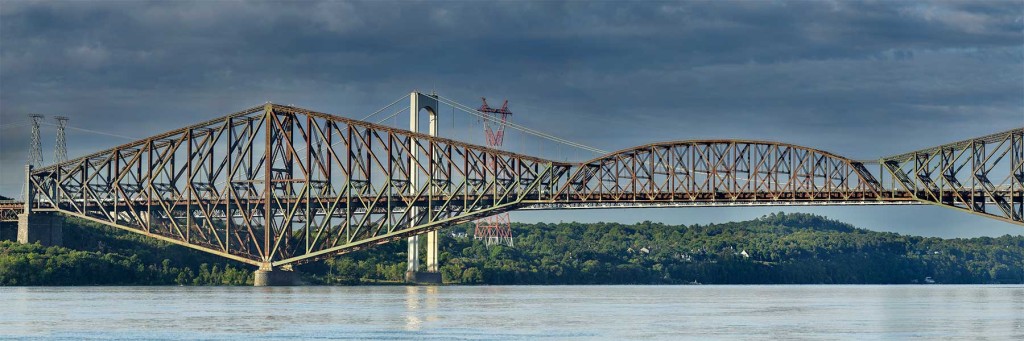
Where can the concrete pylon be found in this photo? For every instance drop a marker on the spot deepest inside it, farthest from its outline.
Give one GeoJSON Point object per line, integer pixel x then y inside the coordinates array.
{"type": "Point", "coordinates": [417, 102]}
{"type": "Point", "coordinates": [46, 228]}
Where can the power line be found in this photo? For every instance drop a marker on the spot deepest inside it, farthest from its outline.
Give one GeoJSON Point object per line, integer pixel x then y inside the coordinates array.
{"type": "Point", "coordinates": [521, 128]}
{"type": "Point", "coordinates": [103, 133]}
{"type": "Point", "coordinates": [450, 102]}
{"type": "Point", "coordinates": [12, 125]}
{"type": "Point", "coordinates": [524, 128]}
{"type": "Point", "coordinates": [93, 131]}
{"type": "Point", "coordinates": [456, 105]}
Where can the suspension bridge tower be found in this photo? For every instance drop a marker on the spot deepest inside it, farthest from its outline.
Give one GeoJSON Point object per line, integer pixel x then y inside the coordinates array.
{"type": "Point", "coordinates": [414, 273]}
{"type": "Point", "coordinates": [495, 229]}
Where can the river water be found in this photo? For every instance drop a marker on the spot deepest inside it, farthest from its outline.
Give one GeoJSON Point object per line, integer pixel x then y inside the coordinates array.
{"type": "Point", "coordinates": [514, 312]}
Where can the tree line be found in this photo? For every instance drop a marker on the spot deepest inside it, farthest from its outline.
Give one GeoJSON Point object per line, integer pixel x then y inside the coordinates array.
{"type": "Point", "coordinates": [774, 249]}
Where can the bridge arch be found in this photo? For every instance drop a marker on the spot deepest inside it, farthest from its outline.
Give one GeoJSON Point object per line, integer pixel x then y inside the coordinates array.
{"type": "Point", "coordinates": [278, 185]}
{"type": "Point", "coordinates": [720, 171]}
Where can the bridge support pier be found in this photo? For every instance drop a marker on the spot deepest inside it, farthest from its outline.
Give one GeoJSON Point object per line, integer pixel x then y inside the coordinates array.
{"type": "Point", "coordinates": [46, 228]}
{"type": "Point", "coordinates": [276, 277]}
{"type": "Point", "coordinates": [423, 277]}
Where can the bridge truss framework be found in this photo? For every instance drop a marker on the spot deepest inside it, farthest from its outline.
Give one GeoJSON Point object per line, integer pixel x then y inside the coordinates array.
{"type": "Point", "coordinates": [277, 185]}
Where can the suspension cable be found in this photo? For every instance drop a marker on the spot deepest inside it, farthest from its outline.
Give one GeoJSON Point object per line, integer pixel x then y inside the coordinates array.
{"type": "Point", "coordinates": [450, 102]}
{"type": "Point", "coordinates": [385, 108]}
{"type": "Point", "coordinates": [521, 128]}
{"type": "Point", "coordinates": [392, 115]}
{"type": "Point", "coordinates": [14, 125]}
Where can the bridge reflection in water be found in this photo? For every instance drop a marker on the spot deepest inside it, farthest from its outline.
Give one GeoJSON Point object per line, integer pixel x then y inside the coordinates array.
{"type": "Point", "coordinates": [277, 185]}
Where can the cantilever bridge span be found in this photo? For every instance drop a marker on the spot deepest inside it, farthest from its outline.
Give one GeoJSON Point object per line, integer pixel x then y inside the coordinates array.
{"type": "Point", "coordinates": [278, 185]}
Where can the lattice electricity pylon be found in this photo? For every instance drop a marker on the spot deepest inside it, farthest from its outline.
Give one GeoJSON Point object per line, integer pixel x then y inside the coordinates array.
{"type": "Point", "coordinates": [278, 185]}
{"type": "Point", "coordinates": [60, 149]}
{"type": "Point", "coordinates": [35, 153]}
{"type": "Point", "coordinates": [982, 175]}
{"type": "Point", "coordinates": [495, 229]}
{"type": "Point", "coordinates": [495, 136]}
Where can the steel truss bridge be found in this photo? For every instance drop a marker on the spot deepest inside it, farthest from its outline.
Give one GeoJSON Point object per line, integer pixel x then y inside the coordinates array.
{"type": "Point", "coordinates": [278, 185]}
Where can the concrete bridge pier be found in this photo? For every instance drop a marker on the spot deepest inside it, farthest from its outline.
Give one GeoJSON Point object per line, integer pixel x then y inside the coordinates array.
{"type": "Point", "coordinates": [282, 276]}
{"type": "Point", "coordinates": [423, 277]}
{"type": "Point", "coordinates": [46, 228]}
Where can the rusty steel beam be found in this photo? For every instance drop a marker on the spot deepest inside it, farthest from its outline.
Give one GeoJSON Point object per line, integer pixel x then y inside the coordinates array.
{"type": "Point", "coordinates": [277, 185]}
{"type": "Point", "coordinates": [732, 171]}
{"type": "Point", "coordinates": [286, 185]}
{"type": "Point", "coordinates": [9, 210]}
{"type": "Point", "coordinates": [984, 175]}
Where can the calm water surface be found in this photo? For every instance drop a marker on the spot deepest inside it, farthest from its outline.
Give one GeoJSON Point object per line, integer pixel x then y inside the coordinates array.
{"type": "Point", "coordinates": [514, 312]}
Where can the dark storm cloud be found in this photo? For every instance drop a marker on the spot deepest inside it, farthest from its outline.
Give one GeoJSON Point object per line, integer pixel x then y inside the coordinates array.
{"type": "Point", "coordinates": [174, 44]}
{"type": "Point", "coordinates": [863, 79]}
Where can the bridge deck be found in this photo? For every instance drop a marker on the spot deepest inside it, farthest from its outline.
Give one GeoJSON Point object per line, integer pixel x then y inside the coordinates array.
{"type": "Point", "coordinates": [275, 185]}
{"type": "Point", "coordinates": [9, 210]}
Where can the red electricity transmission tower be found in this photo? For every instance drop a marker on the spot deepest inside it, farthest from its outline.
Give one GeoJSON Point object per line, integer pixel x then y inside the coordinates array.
{"type": "Point", "coordinates": [496, 229]}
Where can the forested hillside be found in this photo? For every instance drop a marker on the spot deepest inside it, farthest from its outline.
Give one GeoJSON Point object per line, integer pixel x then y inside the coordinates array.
{"type": "Point", "coordinates": [778, 248]}
{"type": "Point", "coordinates": [99, 255]}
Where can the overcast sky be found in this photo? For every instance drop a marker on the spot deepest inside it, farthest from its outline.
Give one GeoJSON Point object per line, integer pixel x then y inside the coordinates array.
{"type": "Point", "coordinates": [860, 79]}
